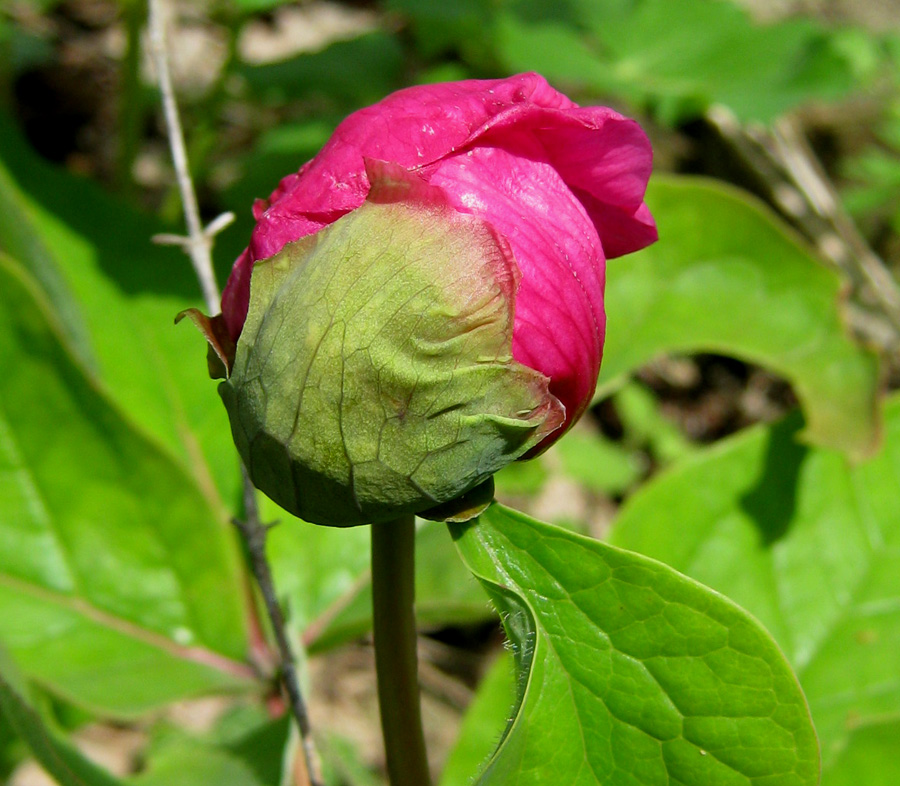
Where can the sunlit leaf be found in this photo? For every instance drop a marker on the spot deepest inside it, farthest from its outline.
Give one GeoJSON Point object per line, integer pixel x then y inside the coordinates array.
{"type": "Point", "coordinates": [56, 755]}
{"type": "Point", "coordinates": [727, 277]}
{"type": "Point", "coordinates": [635, 674]}
{"type": "Point", "coordinates": [482, 724]}
{"type": "Point", "coordinates": [808, 543]}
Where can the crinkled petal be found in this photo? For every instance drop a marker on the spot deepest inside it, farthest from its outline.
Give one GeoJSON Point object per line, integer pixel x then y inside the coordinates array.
{"type": "Point", "coordinates": [560, 322]}
{"type": "Point", "coordinates": [412, 127]}
{"type": "Point", "coordinates": [622, 229]}
{"type": "Point", "coordinates": [604, 159]}
{"type": "Point", "coordinates": [607, 160]}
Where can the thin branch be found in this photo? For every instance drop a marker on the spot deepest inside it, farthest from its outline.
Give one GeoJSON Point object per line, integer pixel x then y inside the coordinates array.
{"type": "Point", "coordinates": [255, 534]}
{"type": "Point", "coordinates": [198, 246]}
{"type": "Point", "coordinates": [809, 175]}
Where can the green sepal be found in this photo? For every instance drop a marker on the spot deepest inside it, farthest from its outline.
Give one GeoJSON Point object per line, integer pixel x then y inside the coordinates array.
{"type": "Point", "coordinates": [374, 375]}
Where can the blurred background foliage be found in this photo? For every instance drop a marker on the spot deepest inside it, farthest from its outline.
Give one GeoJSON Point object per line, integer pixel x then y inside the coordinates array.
{"type": "Point", "coordinates": [776, 127]}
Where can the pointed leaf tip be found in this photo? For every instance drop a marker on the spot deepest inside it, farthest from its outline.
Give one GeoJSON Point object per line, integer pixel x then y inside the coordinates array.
{"type": "Point", "coordinates": [220, 357]}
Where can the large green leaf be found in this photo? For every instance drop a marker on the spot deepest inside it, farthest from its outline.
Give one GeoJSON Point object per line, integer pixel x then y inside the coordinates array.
{"type": "Point", "coordinates": [115, 295]}
{"type": "Point", "coordinates": [57, 756]}
{"type": "Point", "coordinates": [629, 672]}
{"type": "Point", "coordinates": [807, 542]}
{"type": "Point", "coordinates": [195, 764]}
{"type": "Point", "coordinates": [118, 587]}
{"type": "Point", "coordinates": [727, 277]}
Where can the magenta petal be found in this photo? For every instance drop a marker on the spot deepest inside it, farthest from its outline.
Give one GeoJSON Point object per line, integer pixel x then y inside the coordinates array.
{"type": "Point", "coordinates": [593, 148]}
{"type": "Point", "coordinates": [607, 161]}
{"type": "Point", "coordinates": [623, 230]}
{"type": "Point", "coordinates": [236, 297]}
{"type": "Point", "coordinates": [413, 128]}
{"type": "Point", "coordinates": [559, 323]}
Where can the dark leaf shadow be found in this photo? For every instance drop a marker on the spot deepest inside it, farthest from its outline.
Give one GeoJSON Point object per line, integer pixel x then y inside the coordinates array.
{"type": "Point", "coordinates": [772, 502]}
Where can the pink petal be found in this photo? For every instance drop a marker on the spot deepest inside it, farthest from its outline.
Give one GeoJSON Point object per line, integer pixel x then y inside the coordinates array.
{"type": "Point", "coordinates": [559, 323]}
{"type": "Point", "coordinates": [591, 152]}
{"type": "Point", "coordinates": [412, 127]}
{"type": "Point", "coordinates": [236, 297]}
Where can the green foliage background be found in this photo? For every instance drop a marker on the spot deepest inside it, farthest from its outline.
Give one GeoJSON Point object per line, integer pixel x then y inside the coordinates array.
{"type": "Point", "coordinates": [123, 587]}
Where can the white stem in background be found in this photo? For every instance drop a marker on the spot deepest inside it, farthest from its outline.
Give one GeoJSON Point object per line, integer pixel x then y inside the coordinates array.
{"type": "Point", "coordinates": [198, 244]}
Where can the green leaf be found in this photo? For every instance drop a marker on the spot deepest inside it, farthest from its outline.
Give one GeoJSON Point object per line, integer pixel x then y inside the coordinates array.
{"type": "Point", "coordinates": [191, 762]}
{"type": "Point", "coordinates": [441, 27]}
{"type": "Point", "coordinates": [119, 589]}
{"type": "Point", "coordinates": [679, 57]}
{"type": "Point", "coordinates": [115, 295]}
{"type": "Point", "coordinates": [480, 730]}
{"type": "Point", "coordinates": [597, 463]}
{"type": "Point", "coordinates": [343, 762]}
{"type": "Point", "coordinates": [332, 74]}
{"type": "Point", "coordinates": [19, 240]}
{"type": "Point", "coordinates": [245, 748]}
{"type": "Point", "coordinates": [807, 542]}
{"type": "Point", "coordinates": [870, 758]}
{"type": "Point", "coordinates": [635, 674]}
{"type": "Point", "coordinates": [58, 757]}
{"type": "Point", "coordinates": [256, 6]}
{"type": "Point", "coordinates": [522, 477]}
{"type": "Point", "coordinates": [644, 423]}
{"type": "Point", "coordinates": [728, 277]}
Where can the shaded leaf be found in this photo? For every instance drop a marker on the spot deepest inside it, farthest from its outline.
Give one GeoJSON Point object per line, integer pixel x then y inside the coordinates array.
{"type": "Point", "coordinates": [332, 74]}
{"type": "Point", "coordinates": [115, 295]}
{"type": "Point", "coordinates": [190, 762]}
{"type": "Point", "coordinates": [635, 674]}
{"type": "Point", "coordinates": [651, 52]}
{"type": "Point", "coordinates": [446, 594]}
{"type": "Point", "coordinates": [481, 727]}
{"type": "Point", "coordinates": [118, 588]}
{"type": "Point", "coordinates": [57, 756]}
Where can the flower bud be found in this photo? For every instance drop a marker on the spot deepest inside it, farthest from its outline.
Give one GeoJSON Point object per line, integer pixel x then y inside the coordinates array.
{"type": "Point", "coordinates": [422, 303]}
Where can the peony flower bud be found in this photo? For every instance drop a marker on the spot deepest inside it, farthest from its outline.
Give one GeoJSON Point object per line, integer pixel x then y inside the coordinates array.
{"type": "Point", "coordinates": [423, 301]}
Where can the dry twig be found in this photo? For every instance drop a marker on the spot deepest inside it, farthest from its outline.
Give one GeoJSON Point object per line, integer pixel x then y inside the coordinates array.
{"type": "Point", "coordinates": [787, 169]}
{"type": "Point", "coordinates": [198, 246]}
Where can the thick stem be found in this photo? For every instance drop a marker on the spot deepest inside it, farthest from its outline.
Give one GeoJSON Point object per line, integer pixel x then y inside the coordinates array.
{"type": "Point", "coordinates": [396, 665]}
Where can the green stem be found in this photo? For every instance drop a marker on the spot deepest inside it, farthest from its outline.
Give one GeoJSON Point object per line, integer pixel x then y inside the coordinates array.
{"type": "Point", "coordinates": [396, 665]}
